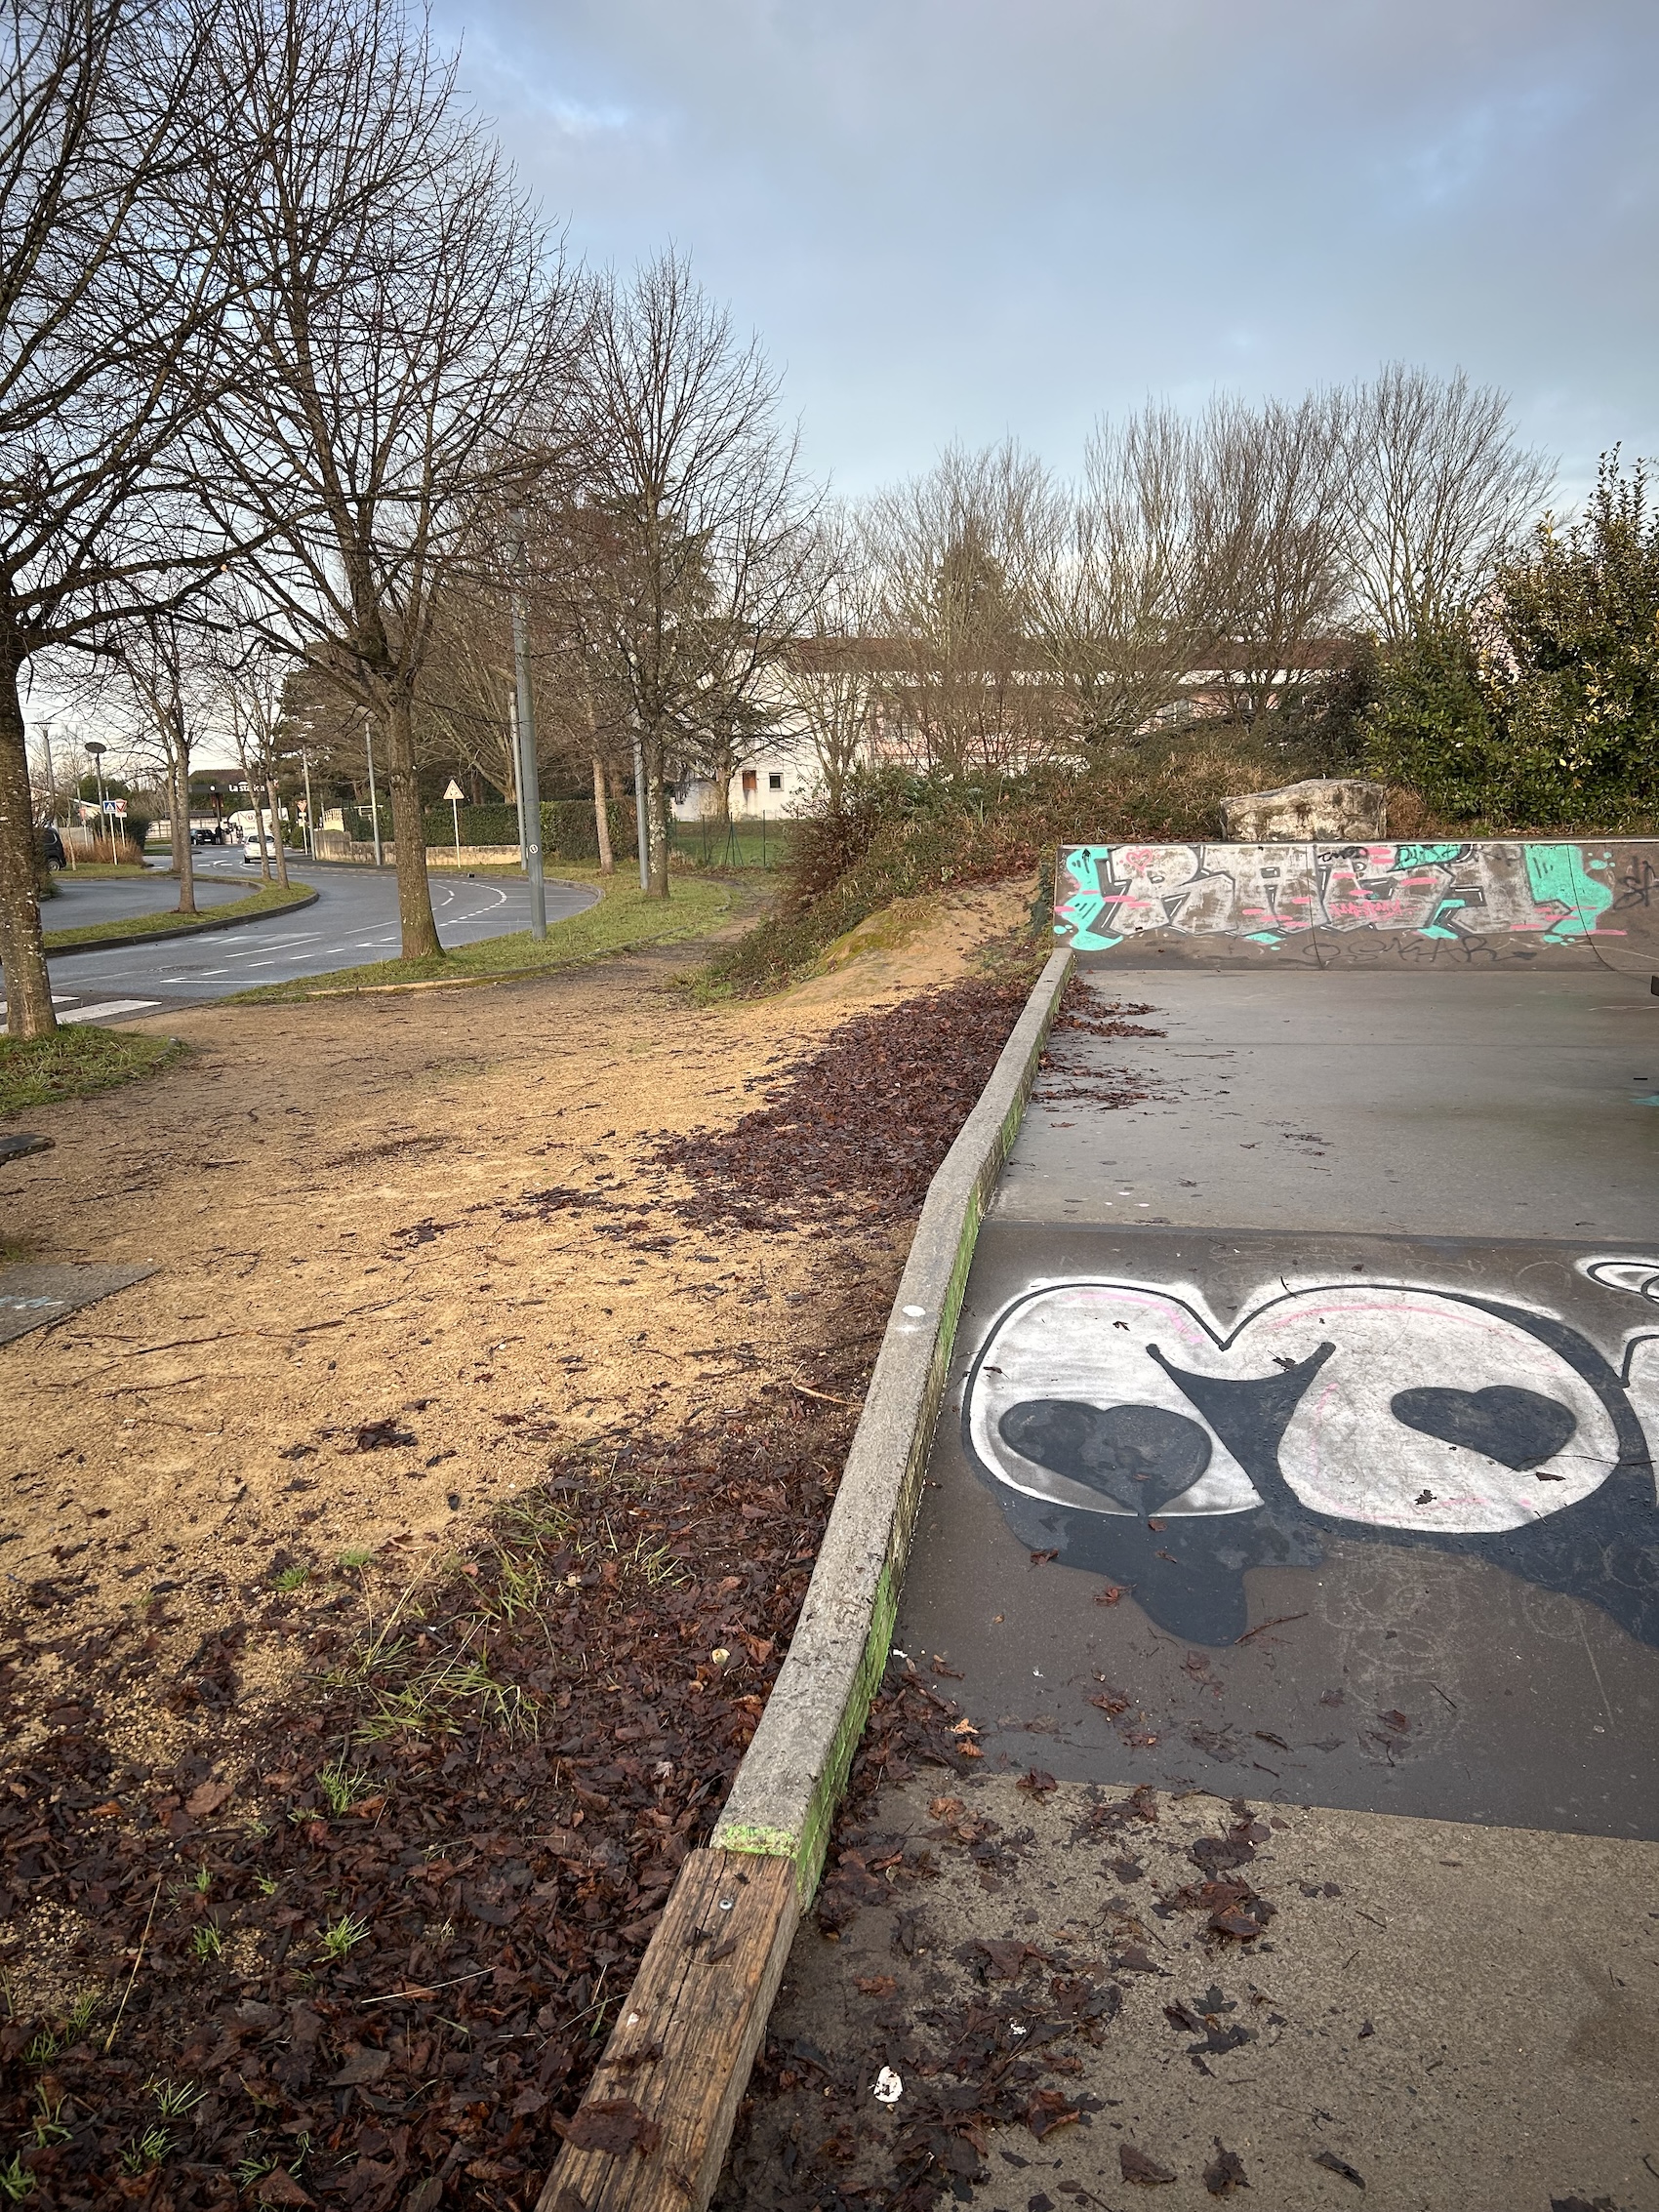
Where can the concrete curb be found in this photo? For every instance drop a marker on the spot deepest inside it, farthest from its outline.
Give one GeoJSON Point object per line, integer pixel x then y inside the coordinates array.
{"type": "Point", "coordinates": [786, 1790]}
{"type": "Point", "coordinates": [185, 929]}
{"type": "Point", "coordinates": [688, 2039]}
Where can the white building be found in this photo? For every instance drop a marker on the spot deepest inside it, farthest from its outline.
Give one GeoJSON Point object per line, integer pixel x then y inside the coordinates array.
{"type": "Point", "coordinates": [775, 780]}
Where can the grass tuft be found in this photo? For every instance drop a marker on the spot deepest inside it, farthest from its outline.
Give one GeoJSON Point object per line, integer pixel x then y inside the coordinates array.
{"type": "Point", "coordinates": [75, 1062]}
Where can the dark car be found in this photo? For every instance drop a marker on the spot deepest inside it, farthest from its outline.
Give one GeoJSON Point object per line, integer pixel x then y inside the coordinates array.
{"type": "Point", "coordinates": [207, 836]}
{"type": "Point", "coordinates": [52, 847]}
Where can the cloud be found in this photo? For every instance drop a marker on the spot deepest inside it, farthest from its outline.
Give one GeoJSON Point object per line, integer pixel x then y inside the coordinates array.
{"type": "Point", "coordinates": [957, 218]}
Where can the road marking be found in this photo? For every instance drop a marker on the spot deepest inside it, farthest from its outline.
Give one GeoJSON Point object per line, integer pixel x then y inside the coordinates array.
{"type": "Point", "coordinates": [110, 1006]}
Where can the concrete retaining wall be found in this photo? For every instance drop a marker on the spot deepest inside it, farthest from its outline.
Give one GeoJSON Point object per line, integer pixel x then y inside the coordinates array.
{"type": "Point", "coordinates": [786, 1790]}
{"type": "Point", "coordinates": [1484, 903]}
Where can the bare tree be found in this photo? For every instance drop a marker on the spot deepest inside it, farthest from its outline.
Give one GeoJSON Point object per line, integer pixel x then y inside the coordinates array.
{"type": "Point", "coordinates": [699, 564]}
{"type": "Point", "coordinates": [832, 676]}
{"type": "Point", "coordinates": [108, 301]}
{"type": "Point", "coordinates": [1272, 547]}
{"type": "Point", "coordinates": [1438, 491]}
{"type": "Point", "coordinates": [961, 553]}
{"type": "Point", "coordinates": [164, 663]}
{"type": "Point", "coordinates": [1116, 606]}
{"type": "Point", "coordinates": [397, 305]}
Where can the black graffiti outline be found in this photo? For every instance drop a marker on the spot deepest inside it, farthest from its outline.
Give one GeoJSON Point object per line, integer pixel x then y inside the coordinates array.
{"type": "Point", "coordinates": [1188, 1573]}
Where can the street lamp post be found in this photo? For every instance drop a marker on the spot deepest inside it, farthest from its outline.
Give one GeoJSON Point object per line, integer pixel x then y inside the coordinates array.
{"type": "Point", "coordinates": [310, 819]}
{"type": "Point", "coordinates": [98, 751]}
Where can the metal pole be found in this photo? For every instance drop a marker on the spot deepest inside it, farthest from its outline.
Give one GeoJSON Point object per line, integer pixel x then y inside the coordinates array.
{"type": "Point", "coordinates": [373, 802]}
{"type": "Point", "coordinates": [517, 777]}
{"type": "Point", "coordinates": [640, 835]}
{"type": "Point", "coordinates": [529, 777]}
{"type": "Point", "coordinates": [455, 810]}
{"type": "Point", "coordinates": [311, 818]}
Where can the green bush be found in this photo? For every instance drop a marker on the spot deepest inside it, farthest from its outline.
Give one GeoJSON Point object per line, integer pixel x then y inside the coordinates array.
{"type": "Point", "coordinates": [568, 829]}
{"type": "Point", "coordinates": [900, 835]}
{"type": "Point", "coordinates": [1541, 709]}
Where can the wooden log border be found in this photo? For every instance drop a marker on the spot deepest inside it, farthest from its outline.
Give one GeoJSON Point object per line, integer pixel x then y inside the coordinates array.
{"type": "Point", "coordinates": [651, 2133]}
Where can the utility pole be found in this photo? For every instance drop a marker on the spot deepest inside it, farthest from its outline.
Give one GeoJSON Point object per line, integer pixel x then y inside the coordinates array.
{"type": "Point", "coordinates": [310, 819]}
{"type": "Point", "coordinates": [98, 751]}
{"type": "Point", "coordinates": [529, 779]}
{"type": "Point", "coordinates": [373, 802]}
{"type": "Point", "coordinates": [517, 777]}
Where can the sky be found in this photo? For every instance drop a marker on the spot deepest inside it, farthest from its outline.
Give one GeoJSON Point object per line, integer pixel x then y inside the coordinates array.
{"type": "Point", "coordinates": [964, 219]}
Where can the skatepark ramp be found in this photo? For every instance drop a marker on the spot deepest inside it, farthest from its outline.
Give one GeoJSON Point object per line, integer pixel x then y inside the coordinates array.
{"type": "Point", "coordinates": [1481, 904]}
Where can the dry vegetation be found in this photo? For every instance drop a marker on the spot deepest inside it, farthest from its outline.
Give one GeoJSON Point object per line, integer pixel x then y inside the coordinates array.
{"type": "Point", "coordinates": [392, 1579]}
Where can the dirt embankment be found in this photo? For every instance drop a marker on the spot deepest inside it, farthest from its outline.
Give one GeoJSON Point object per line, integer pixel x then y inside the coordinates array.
{"type": "Point", "coordinates": [393, 1578]}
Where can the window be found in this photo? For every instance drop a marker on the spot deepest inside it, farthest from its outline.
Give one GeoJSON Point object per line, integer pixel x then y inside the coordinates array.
{"type": "Point", "coordinates": [774, 781]}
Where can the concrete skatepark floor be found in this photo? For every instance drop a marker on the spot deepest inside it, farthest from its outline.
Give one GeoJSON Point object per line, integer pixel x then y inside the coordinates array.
{"type": "Point", "coordinates": [1293, 1456]}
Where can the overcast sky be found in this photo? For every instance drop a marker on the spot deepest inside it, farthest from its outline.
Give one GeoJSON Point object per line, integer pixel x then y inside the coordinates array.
{"type": "Point", "coordinates": [955, 219]}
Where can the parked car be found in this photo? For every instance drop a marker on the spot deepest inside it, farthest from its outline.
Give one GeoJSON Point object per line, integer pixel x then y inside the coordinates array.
{"type": "Point", "coordinates": [207, 836]}
{"type": "Point", "coordinates": [52, 847]}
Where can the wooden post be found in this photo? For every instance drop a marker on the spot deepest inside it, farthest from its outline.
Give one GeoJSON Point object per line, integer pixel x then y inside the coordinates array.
{"type": "Point", "coordinates": [651, 2133]}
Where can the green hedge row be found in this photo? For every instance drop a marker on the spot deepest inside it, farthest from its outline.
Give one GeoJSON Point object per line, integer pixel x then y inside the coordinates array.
{"type": "Point", "coordinates": [568, 830]}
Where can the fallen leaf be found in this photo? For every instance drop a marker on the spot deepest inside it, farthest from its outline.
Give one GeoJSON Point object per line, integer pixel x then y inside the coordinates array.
{"type": "Point", "coordinates": [1049, 2109]}
{"type": "Point", "coordinates": [1109, 1595]}
{"type": "Point", "coordinates": [280, 2188]}
{"type": "Point", "coordinates": [610, 2123]}
{"type": "Point", "coordinates": [1136, 2166]}
{"type": "Point", "coordinates": [208, 1800]}
{"type": "Point", "coordinates": [362, 2065]}
{"type": "Point", "coordinates": [1036, 1782]}
{"type": "Point", "coordinates": [1335, 2165]}
{"type": "Point", "coordinates": [1224, 2172]}
{"type": "Point", "coordinates": [874, 1984]}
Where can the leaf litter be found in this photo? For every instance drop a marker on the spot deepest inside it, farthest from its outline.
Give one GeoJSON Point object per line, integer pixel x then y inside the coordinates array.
{"type": "Point", "coordinates": [382, 1932]}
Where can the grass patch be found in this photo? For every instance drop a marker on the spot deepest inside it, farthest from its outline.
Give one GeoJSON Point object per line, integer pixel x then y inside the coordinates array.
{"type": "Point", "coordinates": [36, 1071]}
{"type": "Point", "coordinates": [268, 899]}
{"type": "Point", "coordinates": [622, 918]}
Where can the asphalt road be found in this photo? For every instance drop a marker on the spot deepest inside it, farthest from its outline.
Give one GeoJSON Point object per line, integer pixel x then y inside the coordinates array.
{"type": "Point", "coordinates": [1345, 1323]}
{"type": "Point", "coordinates": [84, 900]}
{"type": "Point", "coordinates": [353, 922]}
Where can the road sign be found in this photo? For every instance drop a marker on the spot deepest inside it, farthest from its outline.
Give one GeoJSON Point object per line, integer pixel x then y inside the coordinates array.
{"type": "Point", "coordinates": [454, 791]}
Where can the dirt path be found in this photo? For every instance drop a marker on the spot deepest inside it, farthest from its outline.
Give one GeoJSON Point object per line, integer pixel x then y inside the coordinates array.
{"type": "Point", "coordinates": [392, 1580]}
{"type": "Point", "coordinates": [358, 1331]}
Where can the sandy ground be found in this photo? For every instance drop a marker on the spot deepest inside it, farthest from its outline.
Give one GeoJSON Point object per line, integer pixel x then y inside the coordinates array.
{"type": "Point", "coordinates": [332, 1195]}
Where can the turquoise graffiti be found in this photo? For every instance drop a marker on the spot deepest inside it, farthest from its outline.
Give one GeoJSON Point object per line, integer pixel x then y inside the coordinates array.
{"type": "Point", "coordinates": [1487, 893]}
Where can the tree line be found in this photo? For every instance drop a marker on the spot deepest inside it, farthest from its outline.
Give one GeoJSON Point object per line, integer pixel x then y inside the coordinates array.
{"type": "Point", "coordinates": [296, 378]}
{"type": "Point", "coordinates": [302, 401]}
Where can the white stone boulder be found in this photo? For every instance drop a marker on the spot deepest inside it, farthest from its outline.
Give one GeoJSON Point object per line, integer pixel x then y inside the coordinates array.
{"type": "Point", "coordinates": [1321, 810]}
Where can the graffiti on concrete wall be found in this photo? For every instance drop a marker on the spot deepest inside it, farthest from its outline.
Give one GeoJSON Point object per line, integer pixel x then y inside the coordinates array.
{"type": "Point", "coordinates": [1122, 1423]}
{"type": "Point", "coordinates": [1521, 895]}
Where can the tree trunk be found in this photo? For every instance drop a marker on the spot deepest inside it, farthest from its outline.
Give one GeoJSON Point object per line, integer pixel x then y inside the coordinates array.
{"type": "Point", "coordinates": [602, 818]}
{"type": "Point", "coordinates": [22, 954]}
{"type": "Point", "coordinates": [723, 761]}
{"type": "Point", "coordinates": [259, 818]}
{"type": "Point", "coordinates": [409, 836]}
{"type": "Point", "coordinates": [276, 833]}
{"type": "Point", "coordinates": [183, 851]}
{"type": "Point", "coordinates": [179, 835]}
{"type": "Point", "coordinates": [656, 819]}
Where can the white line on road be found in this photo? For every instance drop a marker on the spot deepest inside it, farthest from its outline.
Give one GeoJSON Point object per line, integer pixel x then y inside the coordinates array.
{"type": "Point", "coordinates": [112, 1006]}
